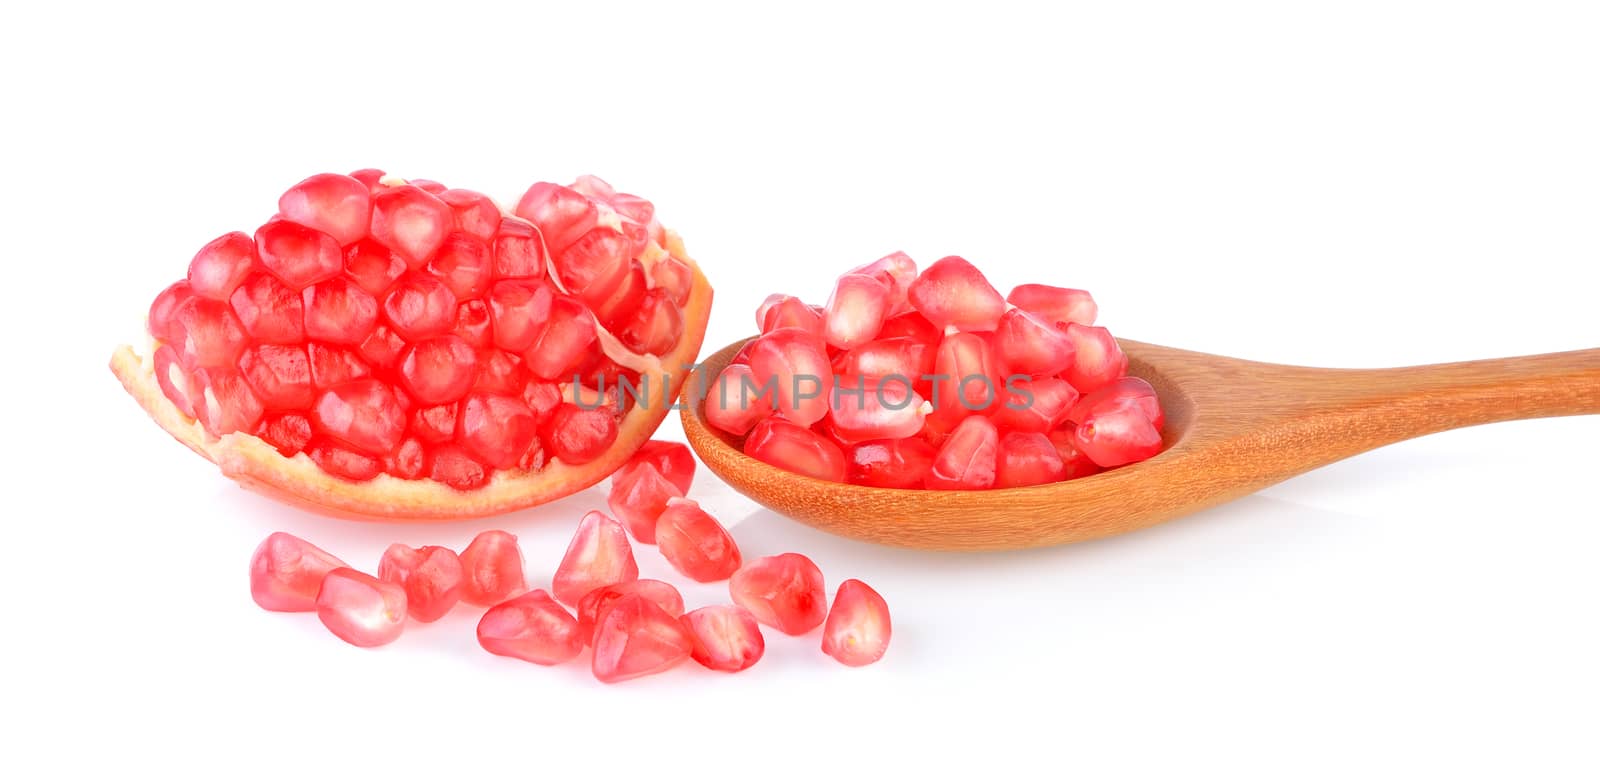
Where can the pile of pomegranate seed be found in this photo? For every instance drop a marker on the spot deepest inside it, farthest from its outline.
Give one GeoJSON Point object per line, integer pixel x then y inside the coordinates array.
{"type": "Point", "coordinates": [414, 330]}
{"type": "Point", "coordinates": [935, 381]}
{"type": "Point", "coordinates": [597, 601]}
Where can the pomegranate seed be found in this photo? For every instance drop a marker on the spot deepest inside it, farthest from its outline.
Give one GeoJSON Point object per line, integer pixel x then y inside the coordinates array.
{"type": "Point", "coordinates": [857, 631]}
{"type": "Point", "coordinates": [207, 334]}
{"type": "Point", "coordinates": [593, 187]}
{"type": "Point", "coordinates": [279, 376]}
{"type": "Point", "coordinates": [561, 214]}
{"type": "Point", "coordinates": [497, 429]}
{"type": "Point", "coordinates": [475, 324]}
{"type": "Point", "coordinates": [370, 177]}
{"type": "Point", "coordinates": [1035, 405]}
{"type": "Point", "coordinates": [438, 370]}
{"type": "Point", "coordinates": [1099, 360]}
{"type": "Point", "coordinates": [419, 306]}
{"type": "Point", "coordinates": [1027, 344]}
{"type": "Point", "coordinates": [268, 311]}
{"type": "Point", "coordinates": [531, 627]}
{"type": "Point", "coordinates": [1122, 393]}
{"type": "Point", "coordinates": [896, 271]}
{"type": "Point", "coordinates": [656, 327]}
{"type": "Point", "coordinates": [363, 413]}
{"type": "Point", "coordinates": [784, 592]}
{"type": "Point", "coordinates": [638, 496]}
{"type": "Point", "coordinates": [594, 604]}
{"type": "Point", "coordinates": [669, 458]}
{"type": "Point", "coordinates": [360, 609]}
{"type": "Point", "coordinates": [501, 373]}
{"type": "Point", "coordinates": [594, 266]}
{"type": "Point", "coordinates": [633, 208]}
{"type": "Point", "coordinates": [519, 309]}
{"type": "Point", "coordinates": [222, 265]}
{"type": "Point", "coordinates": [612, 310]}
{"type": "Point", "coordinates": [1027, 459]}
{"type": "Point", "coordinates": [967, 458]}
{"type": "Point", "coordinates": [791, 312]}
{"type": "Point", "coordinates": [856, 310]}
{"type": "Point", "coordinates": [726, 638]}
{"type": "Point", "coordinates": [177, 383]}
{"type": "Point", "coordinates": [674, 278]}
{"type": "Point", "coordinates": [542, 398]}
{"type": "Point", "coordinates": [408, 460]}
{"type": "Point", "coordinates": [382, 347]}
{"type": "Point", "coordinates": [285, 573]}
{"type": "Point", "coordinates": [411, 222]}
{"type": "Point", "coordinates": [430, 575]}
{"type": "Point", "coordinates": [343, 462]}
{"type": "Point", "coordinates": [223, 401]}
{"type": "Point", "coordinates": [577, 435]}
{"type": "Point", "coordinates": [298, 255]}
{"type": "Point", "coordinates": [903, 356]}
{"type": "Point", "coordinates": [1057, 305]}
{"type": "Point", "coordinates": [454, 468]}
{"type": "Point", "coordinates": [476, 214]}
{"type": "Point", "coordinates": [912, 326]}
{"type": "Point", "coordinates": [1074, 463]}
{"type": "Point", "coordinates": [431, 186]}
{"type": "Point", "coordinates": [338, 311]}
{"type": "Point", "coordinates": [900, 464]}
{"type": "Point", "coordinates": [333, 366]}
{"type": "Point", "coordinates": [869, 409]}
{"type": "Point", "coordinates": [372, 266]}
{"type": "Point", "coordinates": [518, 250]}
{"type": "Point", "coordinates": [636, 638]}
{"type": "Point", "coordinates": [735, 403]}
{"type": "Point", "coordinates": [695, 543]}
{"type": "Point", "coordinates": [464, 264]}
{"type": "Point", "coordinates": [288, 433]}
{"type": "Point", "coordinates": [797, 367]}
{"type": "Point", "coordinates": [967, 379]}
{"type": "Point", "coordinates": [492, 569]}
{"type": "Point", "coordinates": [784, 444]}
{"type": "Point", "coordinates": [163, 311]}
{"type": "Point", "coordinates": [599, 555]}
{"type": "Point", "coordinates": [1117, 435]}
{"type": "Point", "coordinates": [952, 292]}
{"type": "Point", "coordinates": [337, 205]}
{"type": "Point", "coordinates": [434, 424]}
{"type": "Point", "coordinates": [563, 342]}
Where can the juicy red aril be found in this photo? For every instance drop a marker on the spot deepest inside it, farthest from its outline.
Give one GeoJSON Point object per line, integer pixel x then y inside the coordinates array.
{"type": "Point", "coordinates": [408, 460]}
{"type": "Point", "coordinates": [1098, 361]}
{"type": "Point", "coordinates": [411, 222]}
{"type": "Point", "coordinates": [476, 214]}
{"type": "Point", "coordinates": [285, 573]}
{"type": "Point", "coordinates": [673, 277]}
{"type": "Point", "coordinates": [1075, 464]}
{"type": "Point", "coordinates": [456, 469]}
{"type": "Point", "coordinates": [382, 347]}
{"type": "Point", "coordinates": [474, 324]}
{"type": "Point", "coordinates": [372, 266]}
{"type": "Point", "coordinates": [561, 213]}
{"type": "Point", "coordinates": [224, 402]}
{"type": "Point", "coordinates": [576, 435]}
{"type": "Point", "coordinates": [670, 458]}
{"type": "Point", "coordinates": [896, 271]}
{"type": "Point", "coordinates": [497, 429]}
{"type": "Point", "coordinates": [1058, 305]}
{"type": "Point", "coordinates": [636, 638]}
{"type": "Point", "coordinates": [857, 630]}
{"type": "Point", "coordinates": [902, 356]}
{"type": "Point", "coordinates": [866, 409]}
{"type": "Point", "coordinates": [952, 292]}
{"type": "Point", "coordinates": [343, 462]}
{"type": "Point", "coordinates": [364, 414]}
{"type": "Point", "coordinates": [1027, 344]}
{"type": "Point", "coordinates": [531, 627]}
{"type": "Point", "coordinates": [594, 604]}
{"type": "Point", "coordinates": [966, 460]}
{"type": "Point", "coordinates": [163, 310]}
{"type": "Point", "coordinates": [419, 306]}
{"type": "Point", "coordinates": [288, 433]}
{"type": "Point", "coordinates": [599, 555]}
{"type": "Point", "coordinates": [612, 308]}
{"type": "Point", "coordinates": [1117, 435]}
{"type": "Point", "coordinates": [464, 265]}
{"type": "Point", "coordinates": [1122, 393]}
{"type": "Point", "coordinates": [785, 592]}
{"type": "Point", "coordinates": [206, 333]}
{"type": "Point", "coordinates": [856, 310]}
{"type": "Point", "coordinates": [968, 380]}
{"type": "Point", "coordinates": [332, 366]}
{"type": "Point", "coordinates": [1027, 459]}
{"type": "Point", "coordinates": [491, 569]}
{"type": "Point", "coordinates": [337, 205]}
{"type": "Point", "coordinates": [1035, 405]}
{"type": "Point", "coordinates": [370, 177]}
{"type": "Point", "coordinates": [638, 496]}
{"type": "Point", "coordinates": [360, 609]}
{"type": "Point", "coordinates": [656, 325]}
{"type": "Point", "coordinates": [438, 370]}
{"type": "Point", "coordinates": [519, 250]}
{"type": "Point", "coordinates": [900, 464]}
{"type": "Point", "coordinates": [431, 186]}
{"type": "Point", "coordinates": [912, 325]}
{"type": "Point", "coordinates": [430, 575]}
{"type": "Point", "coordinates": [519, 310]}
{"type": "Point", "coordinates": [502, 373]}
{"type": "Point", "coordinates": [222, 265]}
{"type": "Point", "coordinates": [434, 424]}
{"type": "Point", "coordinates": [176, 382]}
{"type": "Point", "coordinates": [279, 376]}
{"type": "Point", "coordinates": [297, 255]}
{"type": "Point", "coordinates": [735, 403]}
{"type": "Point", "coordinates": [269, 311]}
{"type": "Point", "coordinates": [726, 638]}
{"type": "Point", "coordinates": [595, 265]}
{"type": "Point", "coordinates": [784, 444]}
{"type": "Point", "coordinates": [338, 311]}
{"type": "Point", "coordinates": [789, 312]}
{"type": "Point", "coordinates": [563, 341]}
{"type": "Point", "coordinates": [797, 367]}
{"type": "Point", "coordinates": [695, 543]}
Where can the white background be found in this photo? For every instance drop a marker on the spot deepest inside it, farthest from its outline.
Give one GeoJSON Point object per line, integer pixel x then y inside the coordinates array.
{"type": "Point", "coordinates": [1341, 184]}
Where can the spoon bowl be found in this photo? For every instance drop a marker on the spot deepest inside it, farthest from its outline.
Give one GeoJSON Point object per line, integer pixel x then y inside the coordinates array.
{"type": "Point", "coordinates": [1233, 427]}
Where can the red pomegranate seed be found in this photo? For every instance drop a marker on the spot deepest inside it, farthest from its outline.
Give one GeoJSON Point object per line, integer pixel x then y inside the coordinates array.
{"type": "Point", "coordinates": [1099, 360]}
{"type": "Point", "coordinates": [912, 325]}
{"type": "Point", "coordinates": [434, 424]}
{"type": "Point", "coordinates": [279, 376]}
{"type": "Point", "coordinates": [338, 311]}
{"type": "Point", "coordinates": [531, 627]}
{"type": "Point", "coordinates": [952, 292]}
{"type": "Point", "coordinates": [967, 458]}
{"type": "Point", "coordinates": [298, 255]}
{"type": "Point", "coordinates": [360, 609]}
{"type": "Point", "coordinates": [337, 205]}
{"type": "Point", "coordinates": [790, 312]}
{"type": "Point", "coordinates": [896, 271]}
{"type": "Point", "coordinates": [438, 370]}
{"type": "Point", "coordinates": [1122, 393]}
{"type": "Point", "coordinates": [519, 250]}
{"type": "Point", "coordinates": [901, 356]}
{"type": "Point", "coordinates": [332, 366]}
{"type": "Point", "coordinates": [464, 264]}
{"type": "Point", "coordinates": [857, 631]}
{"type": "Point", "coordinates": [497, 429]}
{"type": "Point", "coordinates": [207, 334]}
{"type": "Point", "coordinates": [856, 310]}
{"type": "Point", "coordinates": [870, 409]}
{"type": "Point", "coordinates": [599, 555]}
{"type": "Point", "coordinates": [409, 460]}
{"type": "Point", "coordinates": [419, 306]}
{"type": "Point", "coordinates": [363, 413]}
{"type": "Point", "coordinates": [1035, 405]}
{"type": "Point", "coordinates": [177, 382]}
{"type": "Point", "coordinates": [797, 366]}
{"type": "Point", "coordinates": [656, 326]}
{"type": "Point", "coordinates": [501, 373]}
{"type": "Point", "coordinates": [519, 310]}
{"type": "Point", "coordinates": [431, 186]}
{"type": "Point", "coordinates": [492, 569]}
{"type": "Point", "coordinates": [163, 310]}
{"type": "Point", "coordinates": [475, 324]}
{"type": "Point", "coordinates": [1074, 462]}
{"type": "Point", "coordinates": [593, 187]}
{"type": "Point", "coordinates": [726, 637]}
{"type": "Point", "coordinates": [669, 458]}
{"type": "Point", "coordinates": [1057, 305]}
{"type": "Point", "coordinates": [634, 208]}
{"type": "Point", "coordinates": [695, 543]}
{"type": "Point", "coordinates": [288, 433]}
{"type": "Point", "coordinates": [223, 401]}
{"type": "Point", "coordinates": [411, 222]}
{"type": "Point", "coordinates": [613, 309]}
{"type": "Point", "coordinates": [222, 265]}
{"type": "Point", "coordinates": [343, 462]}
{"type": "Point", "coordinates": [542, 398]}
{"type": "Point", "coordinates": [735, 402]}
{"type": "Point", "coordinates": [563, 342]}
{"type": "Point", "coordinates": [785, 592]}
{"type": "Point", "coordinates": [784, 444]}
{"type": "Point", "coordinates": [595, 266]}
{"type": "Point", "coordinates": [456, 469]}
{"type": "Point", "coordinates": [1027, 459]}
{"type": "Point", "coordinates": [576, 435]}
{"type": "Point", "coordinates": [899, 464]}
{"type": "Point", "coordinates": [369, 177]}
{"type": "Point", "coordinates": [476, 214]}
{"type": "Point", "coordinates": [674, 278]}
{"type": "Point", "coordinates": [382, 347]}
{"type": "Point", "coordinates": [285, 573]}
{"type": "Point", "coordinates": [966, 379]}
{"type": "Point", "coordinates": [636, 638]}
{"type": "Point", "coordinates": [430, 575]}
{"type": "Point", "coordinates": [561, 213]}
{"type": "Point", "coordinates": [638, 496]}
{"type": "Point", "coordinates": [1027, 344]}
{"type": "Point", "coordinates": [594, 604]}
{"type": "Point", "coordinates": [1117, 436]}
{"type": "Point", "coordinates": [268, 311]}
{"type": "Point", "coordinates": [372, 266]}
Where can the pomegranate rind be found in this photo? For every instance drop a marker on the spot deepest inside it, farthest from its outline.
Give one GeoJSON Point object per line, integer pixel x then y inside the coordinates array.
{"type": "Point", "coordinates": [296, 480]}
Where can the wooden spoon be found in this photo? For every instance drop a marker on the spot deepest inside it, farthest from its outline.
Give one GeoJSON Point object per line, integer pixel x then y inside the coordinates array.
{"type": "Point", "coordinates": [1233, 427]}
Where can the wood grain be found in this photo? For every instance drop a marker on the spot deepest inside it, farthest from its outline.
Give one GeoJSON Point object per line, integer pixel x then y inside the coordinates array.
{"type": "Point", "coordinates": [1233, 427]}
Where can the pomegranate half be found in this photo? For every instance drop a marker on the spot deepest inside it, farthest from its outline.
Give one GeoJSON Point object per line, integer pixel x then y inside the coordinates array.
{"type": "Point", "coordinates": [402, 350]}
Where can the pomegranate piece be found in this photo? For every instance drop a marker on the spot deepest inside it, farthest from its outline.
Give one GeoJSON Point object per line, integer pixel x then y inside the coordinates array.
{"type": "Point", "coordinates": [1057, 305]}
{"type": "Point", "coordinates": [337, 205]}
{"type": "Point", "coordinates": [784, 444]}
{"type": "Point", "coordinates": [419, 306]}
{"type": "Point", "coordinates": [857, 630]}
{"type": "Point", "coordinates": [966, 460]}
{"type": "Point", "coordinates": [224, 402]}
{"type": "Point", "coordinates": [735, 403]}
{"type": "Point", "coordinates": [338, 311]}
{"type": "Point", "coordinates": [784, 592]}
{"type": "Point", "coordinates": [285, 573]}
{"type": "Point", "coordinates": [599, 555]}
{"type": "Point", "coordinates": [594, 604]}
{"type": "Point", "coordinates": [491, 569]}
{"type": "Point", "coordinates": [562, 214]}
{"type": "Point", "coordinates": [364, 414]}
{"type": "Point", "coordinates": [268, 310]}
{"type": "Point", "coordinates": [638, 496]}
{"type": "Point", "coordinates": [476, 214]}
{"type": "Point", "coordinates": [297, 255]}
{"type": "Point", "coordinates": [869, 409]}
{"type": "Point", "coordinates": [726, 638]}
{"type": "Point", "coordinates": [694, 543]}
{"type": "Point", "coordinates": [1099, 360]}
{"type": "Point", "coordinates": [498, 429]}
{"type": "Point", "coordinates": [856, 310]}
{"type": "Point", "coordinates": [431, 576]}
{"type": "Point", "coordinates": [1027, 459]}
{"type": "Point", "coordinates": [563, 342]}
{"type": "Point", "coordinates": [1117, 436]}
{"type": "Point", "coordinates": [670, 458]}
{"type": "Point", "coordinates": [360, 609]}
{"type": "Point", "coordinates": [222, 265]}
{"type": "Point", "coordinates": [411, 222]}
{"type": "Point", "coordinates": [952, 292]}
{"type": "Point", "coordinates": [1027, 344]}
{"type": "Point", "coordinates": [1122, 393]}
{"type": "Point", "coordinates": [279, 376]}
{"type": "Point", "coordinates": [1035, 405]}
{"type": "Point", "coordinates": [636, 638]}
{"type": "Point", "coordinates": [796, 366]}
{"type": "Point", "coordinates": [531, 627]}
{"type": "Point", "coordinates": [899, 464]}
{"type": "Point", "coordinates": [464, 264]}
{"type": "Point", "coordinates": [438, 370]}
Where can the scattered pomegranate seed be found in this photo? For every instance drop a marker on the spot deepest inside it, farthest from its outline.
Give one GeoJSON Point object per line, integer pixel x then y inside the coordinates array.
{"type": "Point", "coordinates": [785, 592]}
{"type": "Point", "coordinates": [857, 631]}
{"type": "Point", "coordinates": [285, 573]}
{"type": "Point", "coordinates": [784, 444]}
{"type": "Point", "coordinates": [952, 292]}
{"type": "Point", "coordinates": [636, 638]}
{"type": "Point", "coordinates": [599, 555]}
{"type": "Point", "coordinates": [531, 627]}
{"type": "Point", "coordinates": [360, 609]}
{"type": "Point", "coordinates": [431, 576]}
{"type": "Point", "coordinates": [594, 604]}
{"type": "Point", "coordinates": [492, 569]}
{"type": "Point", "coordinates": [780, 311]}
{"type": "Point", "coordinates": [1035, 405]}
{"type": "Point", "coordinates": [896, 271]}
{"type": "Point", "coordinates": [1075, 464]}
{"type": "Point", "coordinates": [638, 496]}
{"type": "Point", "coordinates": [695, 543]}
{"type": "Point", "coordinates": [726, 638]}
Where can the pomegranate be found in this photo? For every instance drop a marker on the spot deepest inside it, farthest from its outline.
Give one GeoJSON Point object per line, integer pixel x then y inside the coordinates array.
{"type": "Point", "coordinates": [393, 350]}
